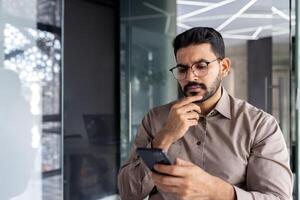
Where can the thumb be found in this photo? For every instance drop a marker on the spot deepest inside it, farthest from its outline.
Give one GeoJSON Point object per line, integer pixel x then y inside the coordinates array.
{"type": "Point", "coordinates": [180, 161]}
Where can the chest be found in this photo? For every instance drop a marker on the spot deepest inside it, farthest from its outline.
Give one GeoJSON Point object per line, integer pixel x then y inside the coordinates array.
{"type": "Point", "coordinates": [220, 147]}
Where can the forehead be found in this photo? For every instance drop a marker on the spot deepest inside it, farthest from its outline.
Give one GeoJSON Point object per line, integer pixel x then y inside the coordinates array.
{"type": "Point", "coordinates": [194, 53]}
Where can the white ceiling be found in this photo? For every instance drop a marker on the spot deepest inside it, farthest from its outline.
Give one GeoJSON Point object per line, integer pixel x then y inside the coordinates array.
{"type": "Point", "coordinates": [236, 19]}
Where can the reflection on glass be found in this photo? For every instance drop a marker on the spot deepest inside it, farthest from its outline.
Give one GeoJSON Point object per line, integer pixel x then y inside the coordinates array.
{"type": "Point", "coordinates": [30, 63]}
{"type": "Point", "coordinates": [35, 63]}
{"type": "Point", "coordinates": [144, 76]}
{"type": "Point", "coordinates": [50, 12]}
{"type": "Point", "coordinates": [38, 67]}
{"type": "Point", "coordinates": [282, 66]}
{"type": "Point", "coordinates": [91, 133]}
{"type": "Point", "coordinates": [16, 138]}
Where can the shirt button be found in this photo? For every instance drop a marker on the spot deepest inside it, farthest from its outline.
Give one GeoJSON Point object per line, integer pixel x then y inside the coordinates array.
{"type": "Point", "coordinates": [198, 143]}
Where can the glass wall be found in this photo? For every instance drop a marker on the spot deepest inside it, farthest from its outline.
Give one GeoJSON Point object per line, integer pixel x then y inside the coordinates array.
{"type": "Point", "coordinates": [91, 100]}
{"type": "Point", "coordinates": [147, 31]}
{"type": "Point", "coordinates": [30, 105]}
{"type": "Point", "coordinates": [296, 93]}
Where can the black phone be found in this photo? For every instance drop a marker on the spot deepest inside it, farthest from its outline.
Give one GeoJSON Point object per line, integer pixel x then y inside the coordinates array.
{"type": "Point", "coordinates": [153, 156]}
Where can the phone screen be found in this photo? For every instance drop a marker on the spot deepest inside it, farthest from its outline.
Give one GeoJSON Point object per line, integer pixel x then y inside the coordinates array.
{"type": "Point", "coordinates": [153, 156]}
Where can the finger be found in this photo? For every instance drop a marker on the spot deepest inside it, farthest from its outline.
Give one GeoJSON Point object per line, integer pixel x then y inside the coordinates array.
{"type": "Point", "coordinates": [186, 101]}
{"type": "Point", "coordinates": [192, 122]}
{"type": "Point", "coordinates": [172, 170]}
{"type": "Point", "coordinates": [191, 119]}
{"type": "Point", "coordinates": [191, 115]}
{"type": "Point", "coordinates": [182, 162]}
{"type": "Point", "coordinates": [166, 180]}
{"type": "Point", "coordinates": [189, 107]}
{"type": "Point", "coordinates": [169, 189]}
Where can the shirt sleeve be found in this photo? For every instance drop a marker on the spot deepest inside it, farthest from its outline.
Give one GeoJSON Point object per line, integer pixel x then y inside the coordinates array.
{"type": "Point", "coordinates": [134, 179]}
{"type": "Point", "coordinates": [268, 172]}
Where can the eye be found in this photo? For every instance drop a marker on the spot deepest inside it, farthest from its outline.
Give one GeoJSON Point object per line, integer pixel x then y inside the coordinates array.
{"type": "Point", "coordinates": [200, 66]}
{"type": "Point", "coordinates": [181, 70]}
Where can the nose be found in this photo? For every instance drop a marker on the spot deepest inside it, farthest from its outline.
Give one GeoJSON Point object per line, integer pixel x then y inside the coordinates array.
{"type": "Point", "coordinates": [191, 76]}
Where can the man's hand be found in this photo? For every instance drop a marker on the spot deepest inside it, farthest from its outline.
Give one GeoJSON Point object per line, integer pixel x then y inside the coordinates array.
{"type": "Point", "coordinates": [188, 182]}
{"type": "Point", "coordinates": [182, 115]}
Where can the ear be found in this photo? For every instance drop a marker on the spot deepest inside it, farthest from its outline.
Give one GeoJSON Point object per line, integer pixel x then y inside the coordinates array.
{"type": "Point", "coordinates": [225, 66]}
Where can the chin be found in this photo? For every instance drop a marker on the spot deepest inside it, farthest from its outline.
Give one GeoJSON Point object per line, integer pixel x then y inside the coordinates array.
{"type": "Point", "coordinates": [190, 94]}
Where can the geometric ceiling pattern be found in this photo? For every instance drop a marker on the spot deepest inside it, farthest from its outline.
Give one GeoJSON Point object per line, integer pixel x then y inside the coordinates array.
{"type": "Point", "coordinates": [235, 19]}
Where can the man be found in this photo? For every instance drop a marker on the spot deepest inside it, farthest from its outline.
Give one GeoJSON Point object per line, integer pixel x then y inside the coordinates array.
{"type": "Point", "coordinates": [224, 147]}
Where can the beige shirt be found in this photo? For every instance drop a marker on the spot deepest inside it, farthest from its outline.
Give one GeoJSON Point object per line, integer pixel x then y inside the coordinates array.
{"type": "Point", "coordinates": [236, 142]}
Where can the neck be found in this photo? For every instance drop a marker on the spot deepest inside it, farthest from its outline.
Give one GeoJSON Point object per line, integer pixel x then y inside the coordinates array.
{"type": "Point", "coordinates": [210, 103]}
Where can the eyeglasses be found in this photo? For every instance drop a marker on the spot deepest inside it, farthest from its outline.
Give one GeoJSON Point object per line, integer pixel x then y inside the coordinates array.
{"type": "Point", "coordinates": [199, 68]}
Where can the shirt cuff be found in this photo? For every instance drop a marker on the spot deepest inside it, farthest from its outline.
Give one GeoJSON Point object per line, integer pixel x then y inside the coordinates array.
{"type": "Point", "coordinates": [242, 194]}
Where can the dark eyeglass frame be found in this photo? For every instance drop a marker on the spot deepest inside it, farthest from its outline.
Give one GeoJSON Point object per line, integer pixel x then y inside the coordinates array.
{"type": "Point", "coordinates": [191, 67]}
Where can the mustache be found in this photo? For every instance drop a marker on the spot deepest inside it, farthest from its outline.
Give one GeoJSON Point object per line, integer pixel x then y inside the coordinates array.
{"type": "Point", "coordinates": [191, 83]}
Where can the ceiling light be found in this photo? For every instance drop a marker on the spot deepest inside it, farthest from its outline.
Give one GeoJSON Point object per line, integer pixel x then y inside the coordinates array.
{"type": "Point", "coordinates": [246, 30]}
{"type": "Point", "coordinates": [216, 17]}
{"type": "Point", "coordinates": [202, 10]}
{"type": "Point", "coordinates": [236, 15]}
{"type": "Point", "coordinates": [205, 18]}
{"type": "Point", "coordinates": [256, 33]}
{"type": "Point", "coordinates": [168, 22]}
{"type": "Point", "coordinates": [155, 8]}
{"type": "Point", "coordinates": [280, 13]}
{"type": "Point", "coordinates": [255, 16]}
{"type": "Point", "coordinates": [239, 37]}
{"type": "Point", "coordinates": [181, 25]}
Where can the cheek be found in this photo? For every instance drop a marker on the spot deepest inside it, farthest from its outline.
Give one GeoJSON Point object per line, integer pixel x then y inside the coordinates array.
{"type": "Point", "coordinates": [182, 83]}
{"type": "Point", "coordinates": [209, 81]}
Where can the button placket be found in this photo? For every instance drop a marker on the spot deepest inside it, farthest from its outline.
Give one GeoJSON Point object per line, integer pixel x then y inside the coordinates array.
{"type": "Point", "coordinates": [202, 123]}
{"type": "Point", "coordinates": [203, 137]}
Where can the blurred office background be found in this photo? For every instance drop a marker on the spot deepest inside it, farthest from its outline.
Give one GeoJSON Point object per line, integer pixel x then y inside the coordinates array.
{"type": "Point", "coordinates": [77, 77]}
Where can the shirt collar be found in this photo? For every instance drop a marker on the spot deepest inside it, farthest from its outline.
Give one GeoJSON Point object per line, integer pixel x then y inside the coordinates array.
{"type": "Point", "coordinates": [223, 105]}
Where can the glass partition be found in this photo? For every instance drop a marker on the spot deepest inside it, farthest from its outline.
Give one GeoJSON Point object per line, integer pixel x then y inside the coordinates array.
{"type": "Point", "coordinates": [296, 95]}
{"type": "Point", "coordinates": [30, 99]}
{"type": "Point", "coordinates": [147, 31]}
{"type": "Point", "coordinates": [91, 111]}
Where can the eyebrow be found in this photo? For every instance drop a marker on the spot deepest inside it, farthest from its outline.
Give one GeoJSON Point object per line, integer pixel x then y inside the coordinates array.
{"type": "Point", "coordinates": [185, 65]}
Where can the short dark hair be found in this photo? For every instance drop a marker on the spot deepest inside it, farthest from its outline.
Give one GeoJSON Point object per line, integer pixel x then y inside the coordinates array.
{"type": "Point", "coordinates": [200, 35]}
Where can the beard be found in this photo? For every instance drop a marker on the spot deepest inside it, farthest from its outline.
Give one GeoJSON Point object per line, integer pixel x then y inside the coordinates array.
{"type": "Point", "coordinates": [208, 91]}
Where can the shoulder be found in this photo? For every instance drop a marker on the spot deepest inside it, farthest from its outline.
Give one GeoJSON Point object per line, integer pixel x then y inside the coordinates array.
{"type": "Point", "coordinates": [258, 123]}
{"type": "Point", "coordinates": [242, 108]}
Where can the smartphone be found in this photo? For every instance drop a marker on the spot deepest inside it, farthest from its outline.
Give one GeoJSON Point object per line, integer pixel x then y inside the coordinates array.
{"type": "Point", "coordinates": [153, 156]}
